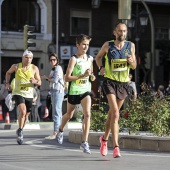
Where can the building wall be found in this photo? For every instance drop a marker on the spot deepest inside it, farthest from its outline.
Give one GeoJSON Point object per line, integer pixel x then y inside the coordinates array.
{"type": "Point", "coordinates": [103, 21]}
{"type": "Point", "coordinates": [105, 17]}
{"type": "Point", "coordinates": [12, 43]}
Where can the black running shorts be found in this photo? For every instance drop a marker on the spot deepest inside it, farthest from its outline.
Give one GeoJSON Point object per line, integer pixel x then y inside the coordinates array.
{"type": "Point", "coordinates": [119, 89]}
{"type": "Point", "coordinates": [76, 99]}
{"type": "Point", "coordinates": [28, 101]}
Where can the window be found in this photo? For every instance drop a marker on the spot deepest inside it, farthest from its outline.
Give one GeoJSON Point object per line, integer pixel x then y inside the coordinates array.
{"type": "Point", "coordinates": [80, 22]}
{"type": "Point", "coordinates": [17, 13]}
{"type": "Point", "coordinates": [162, 34]}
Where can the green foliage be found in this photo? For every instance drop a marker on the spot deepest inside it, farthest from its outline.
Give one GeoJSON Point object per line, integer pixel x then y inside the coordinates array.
{"type": "Point", "coordinates": [149, 112]}
{"type": "Point", "coordinates": [98, 117]}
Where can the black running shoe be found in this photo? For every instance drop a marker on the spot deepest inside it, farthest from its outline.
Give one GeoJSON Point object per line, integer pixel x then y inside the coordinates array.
{"type": "Point", "coordinates": [19, 136]}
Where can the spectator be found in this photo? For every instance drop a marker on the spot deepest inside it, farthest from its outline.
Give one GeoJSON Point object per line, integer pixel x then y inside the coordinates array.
{"type": "Point", "coordinates": [161, 91]}
{"type": "Point", "coordinates": [49, 107]}
{"type": "Point", "coordinates": [56, 84]}
{"type": "Point", "coordinates": [15, 111]}
{"type": "Point", "coordinates": [35, 104]}
{"type": "Point", "coordinates": [167, 91]}
{"type": "Point", "coordinates": [3, 94]}
{"type": "Point", "coordinates": [133, 91]}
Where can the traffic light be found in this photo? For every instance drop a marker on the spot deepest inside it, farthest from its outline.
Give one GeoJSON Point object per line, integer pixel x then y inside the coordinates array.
{"type": "Point", "coordinates": [148, 60]}
{"type": "Point", "coordinates": [29, 36]}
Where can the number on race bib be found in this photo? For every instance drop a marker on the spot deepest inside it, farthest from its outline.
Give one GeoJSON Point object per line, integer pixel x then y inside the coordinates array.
{"type": "Point", "coordinates": [119, 64]}
{"type": "Point", "coordinates": [81, 81]}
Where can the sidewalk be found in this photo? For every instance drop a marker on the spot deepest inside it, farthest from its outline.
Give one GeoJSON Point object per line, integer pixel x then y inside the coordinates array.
{"type": "Point", "coordinates": [38, 125]}
{"type": "Point", "coordinates": [126, 141]}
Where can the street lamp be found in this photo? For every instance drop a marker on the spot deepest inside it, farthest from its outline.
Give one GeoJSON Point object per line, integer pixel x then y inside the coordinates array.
{"type": "Point", "coordinates": [96, 3]}
{"type": "Point", "coordinates": [143, 15]}
{"type": "Point", "coordinates": [139, 19]}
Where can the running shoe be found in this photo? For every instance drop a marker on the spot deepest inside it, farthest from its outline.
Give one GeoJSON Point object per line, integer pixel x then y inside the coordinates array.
{"type": "Point", "coordinates": [116, 152]}
{"type": "Point", "coordinates": [103, 146]}
{"type": "Point", "coordinates": [51, 137]}
{"type": "Point", "coordinates": [85, 147]}
{"type": "Point", "coordinates": [19, 136]}
{"type": "Point", "coordinates": [59, 137]}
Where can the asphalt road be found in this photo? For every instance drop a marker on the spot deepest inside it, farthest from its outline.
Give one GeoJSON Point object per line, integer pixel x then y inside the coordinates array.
{"type": "Point", "coordinates": [36, 153]}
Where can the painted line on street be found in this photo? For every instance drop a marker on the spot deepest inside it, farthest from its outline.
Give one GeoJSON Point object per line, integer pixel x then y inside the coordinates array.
{"type": "Point", "coordinates": [158, 155]}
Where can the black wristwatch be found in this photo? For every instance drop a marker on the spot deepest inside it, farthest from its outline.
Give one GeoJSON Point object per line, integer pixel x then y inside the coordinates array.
{"type": "Point", "coordinates": [101, 67]}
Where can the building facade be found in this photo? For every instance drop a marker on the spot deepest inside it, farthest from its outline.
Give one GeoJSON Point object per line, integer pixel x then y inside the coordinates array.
{"type": "Point", "coordinates": [14, 15]}
{"type": "Point", "coordinates": [57, 23]}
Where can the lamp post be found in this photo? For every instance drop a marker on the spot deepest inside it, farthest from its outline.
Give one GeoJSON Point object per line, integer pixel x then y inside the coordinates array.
{"type": "Point", "coordinates": [139, 19]}
{"type": "Point", "coordinates": [57, 25]}
{"type": "Point", "coordinates": [152, 43]}
{"type": "Point", "coordinates": [0, 41]}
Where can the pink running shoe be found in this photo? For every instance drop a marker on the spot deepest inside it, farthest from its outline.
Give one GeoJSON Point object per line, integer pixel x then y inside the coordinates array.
{"type": "Point", "coordinates": [103, 146]}
{"type": "Point", "coordinates": [116, 152]}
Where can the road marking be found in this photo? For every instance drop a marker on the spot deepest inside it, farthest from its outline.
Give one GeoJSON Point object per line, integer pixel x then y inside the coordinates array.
{"type": "Point", "coordinates": [158, 155]}
{"type": "Point", "coordinates": [7, 166]}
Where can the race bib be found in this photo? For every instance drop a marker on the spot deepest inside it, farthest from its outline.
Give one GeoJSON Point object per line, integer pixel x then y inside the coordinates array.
{"type": "Point", "coordinates": [24, 88]}
{"type": "Point", "coordinates": [81, 82]}
{"type": "Point", "coordinates": [119, 64]}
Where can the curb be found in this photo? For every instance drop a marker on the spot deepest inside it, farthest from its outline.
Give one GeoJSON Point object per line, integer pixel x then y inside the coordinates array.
{"type": "Point", "coordinates": [39, 125]}
{"type": "Point", "coordinates": [139, 142]}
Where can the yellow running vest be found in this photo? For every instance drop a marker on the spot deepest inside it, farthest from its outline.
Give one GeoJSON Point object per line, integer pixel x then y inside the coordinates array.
{"type": "Point", "coordinates": [118, 68]}
{"type": "Point", "coordinates": [23, 87]}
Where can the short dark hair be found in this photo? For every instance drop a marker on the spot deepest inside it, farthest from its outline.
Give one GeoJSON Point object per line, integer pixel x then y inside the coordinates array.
{"type": "Point", "coordinates": [82, 37]}
{"type": "Point", "coordinates": [54, 55]}
{"type": "Point", "coordinates": [119, 22]}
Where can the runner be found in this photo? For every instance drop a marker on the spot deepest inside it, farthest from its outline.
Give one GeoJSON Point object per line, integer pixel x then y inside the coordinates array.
{"type": "Point", "coordinates": [79, 74]}
{"type": "Point", "coordinates": [119, 57]}
{"type": "Point", "coordinates": [26, 76]}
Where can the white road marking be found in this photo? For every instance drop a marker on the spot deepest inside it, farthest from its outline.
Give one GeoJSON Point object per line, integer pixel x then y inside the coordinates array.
{"type": "Point", "coordinates": [158, 155]}
{"type": "Point", "coordinates": [7, 165]}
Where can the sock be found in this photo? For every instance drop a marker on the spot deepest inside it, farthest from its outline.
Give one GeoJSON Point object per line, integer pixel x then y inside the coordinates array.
{"type": "Point", "coordinates": [104, 139]}
{"type": "Point", "coordinates": [20, 129]}
{"type": "Point", "coordinates": [115, 147]}
{"type": "Point", "coordinates": [60, 130]}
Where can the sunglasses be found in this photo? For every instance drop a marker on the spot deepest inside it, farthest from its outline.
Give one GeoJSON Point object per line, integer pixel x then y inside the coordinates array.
{"type": "Point", "coordinates": [52, 60]}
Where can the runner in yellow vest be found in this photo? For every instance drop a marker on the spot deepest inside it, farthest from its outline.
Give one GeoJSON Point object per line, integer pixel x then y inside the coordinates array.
{"type": "Point", "coordinates": [119, 57]}
{"type": "Point", "coordinates": [26, 76]}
